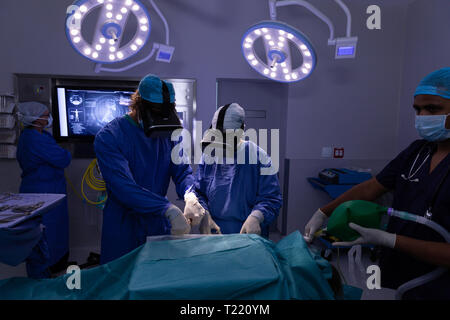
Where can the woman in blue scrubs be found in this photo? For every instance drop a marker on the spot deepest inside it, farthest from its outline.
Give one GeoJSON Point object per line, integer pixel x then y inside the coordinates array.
{"type": "Point", "coordinates": [420, 180]}
{"type": "Point", "coordinates": [43, 162]}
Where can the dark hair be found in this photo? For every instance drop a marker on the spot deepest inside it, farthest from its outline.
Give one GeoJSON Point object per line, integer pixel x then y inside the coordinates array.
{"type": "Point", "coordinates": [137, 103]}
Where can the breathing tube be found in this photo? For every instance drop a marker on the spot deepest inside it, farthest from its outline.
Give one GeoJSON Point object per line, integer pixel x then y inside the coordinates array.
{"type": "Point", "coordinates": [431, 275]}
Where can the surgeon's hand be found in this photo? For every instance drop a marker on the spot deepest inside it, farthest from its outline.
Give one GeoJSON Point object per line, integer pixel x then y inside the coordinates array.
{"type": "Point", "coordinates": [370, 236]}
{"type": "Point", "coordinates": [208, 224]}
{"type": "Point", "coordinates": [252, 224]}
{"type": "Point", "coordinates": [314, 224]}
{"type": "Point", "coordinates": [193, 210]}
{"type": "Point", "coordinates": [179, 223]}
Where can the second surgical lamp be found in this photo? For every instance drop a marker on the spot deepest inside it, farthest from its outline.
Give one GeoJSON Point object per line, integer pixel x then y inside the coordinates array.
{"type": "Point", "coordinates": [280, 38]}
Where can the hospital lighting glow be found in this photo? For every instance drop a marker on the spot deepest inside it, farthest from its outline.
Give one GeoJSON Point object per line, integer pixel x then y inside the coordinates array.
{"type": "Point", "coordinates": [278, 52]}
{"type": "Point", "coordinates": [110, 26]}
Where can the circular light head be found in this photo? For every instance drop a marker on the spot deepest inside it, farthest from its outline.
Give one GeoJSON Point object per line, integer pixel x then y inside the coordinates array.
{"type": "Point", "coordinates": [111, 22]}
{"type": "Point", "coordinates": [279, 51]}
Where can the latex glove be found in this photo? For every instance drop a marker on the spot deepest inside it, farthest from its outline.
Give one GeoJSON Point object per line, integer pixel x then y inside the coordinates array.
{"type": "Point", "coordinates": [314, 224]}
{"type": "Point", "coordinates": [207, 224]}
{"type": "Point", "coordinates": [179, 223]}
{"type": "Point", "coordinates": [193, 210]}
{"type": "Point", "coordinates": [370, 236]}
{"type": "Point", "coordinates": [252, 224]}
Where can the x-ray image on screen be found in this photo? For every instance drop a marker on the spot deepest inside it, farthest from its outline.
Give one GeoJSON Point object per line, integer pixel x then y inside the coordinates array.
{"type": "Point", "coordinates": [85, 112]}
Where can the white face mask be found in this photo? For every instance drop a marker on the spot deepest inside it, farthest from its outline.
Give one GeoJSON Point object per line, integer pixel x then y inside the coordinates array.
{"type": "Point", "coordinates": [432, 128]}
{"type": "Point", "coordinates": [49, 124]}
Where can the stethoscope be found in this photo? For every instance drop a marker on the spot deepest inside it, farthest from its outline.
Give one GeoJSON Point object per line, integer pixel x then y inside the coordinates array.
{"type": "Point", "coordinates": [411, 174]}
{"type": "Point", "coordinates": [429, 213]}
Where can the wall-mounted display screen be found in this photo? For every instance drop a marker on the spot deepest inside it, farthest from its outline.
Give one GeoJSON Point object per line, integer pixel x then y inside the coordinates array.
{"type": "Point", "coordinates": [83, 112]}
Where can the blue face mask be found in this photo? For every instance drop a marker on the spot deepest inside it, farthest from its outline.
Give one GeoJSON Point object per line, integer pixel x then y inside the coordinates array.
{"type": "Point", "coordinates": [432, 128]}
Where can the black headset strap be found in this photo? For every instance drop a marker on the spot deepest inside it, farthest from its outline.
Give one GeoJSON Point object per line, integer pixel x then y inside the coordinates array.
{"type": "Point", "coordinates": [221, 117]}
{"type": "Point", "coordinates": [165, 93]}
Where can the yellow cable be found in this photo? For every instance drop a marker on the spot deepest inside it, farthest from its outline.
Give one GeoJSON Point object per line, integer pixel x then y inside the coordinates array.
{"type": "Point", "coordinates": [93, 182]}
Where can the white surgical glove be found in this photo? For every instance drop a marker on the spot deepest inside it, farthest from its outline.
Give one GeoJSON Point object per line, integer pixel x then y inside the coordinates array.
{"type": "Point", "coordinates": [179, 223]}
{"type": "Point", "coordinates": [207, 225]}
{"type": "Point", "coordinates": [314, 224]}
{"type": "Point", "coordinates": [370, 236]}
{"type": "Point", "coordinates": [193, 210]}
{"type": "Point", "coordinates": [252, 224]}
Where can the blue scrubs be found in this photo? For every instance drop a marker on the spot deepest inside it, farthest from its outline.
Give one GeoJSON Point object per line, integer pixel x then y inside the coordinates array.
{"type": "Point", "coordinates": [415, 197]}
{"type": "Point", "coordinates": [42, 162]}
{"type": "Point", "coordinates": [137, 172]}
{"type": "Point", "coordinates": [230, 192]}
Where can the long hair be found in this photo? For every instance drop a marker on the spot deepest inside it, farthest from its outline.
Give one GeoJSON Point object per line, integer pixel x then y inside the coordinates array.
{"type": "Point", "coordinates": [137, 104]}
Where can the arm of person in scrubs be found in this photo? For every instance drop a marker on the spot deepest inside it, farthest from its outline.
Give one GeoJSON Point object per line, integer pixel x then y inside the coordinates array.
{"type": "Point", "coordinates": [368, 190]}
{"type": "Point", "coordinates": [200, 186]}
{"type": "Point", "coordinates": [437, 253]}
{"type": "Point", "coordinates": [52, 154]}
{"type": "Point", "coordinates": [119, 180]}
{"type": "Point", "coordinates": [268, 198]}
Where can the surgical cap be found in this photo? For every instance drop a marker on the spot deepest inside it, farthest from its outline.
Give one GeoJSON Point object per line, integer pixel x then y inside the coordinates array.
{"type": "Point", "coordinates": [30, 112]}
{"type": "Point", "coordinates": [150, 89]}
{"type": "Point", "coordinates": [436, 83]}
{"type": "Point", "coordinates": [234, 117]}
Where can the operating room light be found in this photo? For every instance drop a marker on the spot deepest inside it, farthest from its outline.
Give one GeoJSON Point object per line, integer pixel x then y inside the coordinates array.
{"type": "Point", "coordinates": [280, 40]}
{"type": "Point", "coordinates": [111, 24]}
{"type": "Point", "coordinates": [278, 52]}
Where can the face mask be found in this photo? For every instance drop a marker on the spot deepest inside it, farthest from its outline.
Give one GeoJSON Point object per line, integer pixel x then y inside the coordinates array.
{"type": "Point", "coordinates": [49, 124]}
{"type": "Point", "coordinates": [432, 128]}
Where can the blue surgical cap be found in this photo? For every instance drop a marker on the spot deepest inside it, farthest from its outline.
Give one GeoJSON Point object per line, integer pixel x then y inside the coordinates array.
{"type": "Point", "coordinates": [30, 112]}
{"type": "Point", "coordinates": [150, 89]}
{"type": "Point", "coordinates": [436, 83]}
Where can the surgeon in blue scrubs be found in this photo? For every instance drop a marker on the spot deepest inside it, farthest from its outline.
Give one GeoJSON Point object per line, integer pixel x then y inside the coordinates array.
{"type": "Point", "coordinates": [420, 180]}
{"type": "Point", "coordinates": [238, 196]}
{"type": "Point", "coordinates": [137, 170]}
{"type": "Point", "coordinates": [43, 162]}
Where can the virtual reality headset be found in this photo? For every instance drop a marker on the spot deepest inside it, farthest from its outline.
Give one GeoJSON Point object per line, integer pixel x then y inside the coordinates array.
{"type": "Point", "coordinates": [160, 119]}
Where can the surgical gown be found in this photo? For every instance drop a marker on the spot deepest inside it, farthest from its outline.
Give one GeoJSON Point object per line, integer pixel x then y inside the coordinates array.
{"type": "Point", "coordinates": [137, 172]}
{"type": "Point", "coordinates": [230, 192]}
{"type": "Point", "coordinates": [42, 162]}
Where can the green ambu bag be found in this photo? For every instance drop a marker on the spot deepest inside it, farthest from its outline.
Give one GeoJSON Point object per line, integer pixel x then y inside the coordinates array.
{"type": "Point", "coordinates": [366, 214]}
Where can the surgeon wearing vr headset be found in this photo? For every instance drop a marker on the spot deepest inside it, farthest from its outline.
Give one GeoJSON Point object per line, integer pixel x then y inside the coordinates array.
{"type": "Point", "coordinates": [134, 155]}
{"type": "Point", "coordinates": [420, 179]}
{"type": "Point", "coordinates": [236, 196]}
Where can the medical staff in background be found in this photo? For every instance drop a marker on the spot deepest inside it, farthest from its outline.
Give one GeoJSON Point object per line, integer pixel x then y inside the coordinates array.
{"type": "Point", "coordinates": [43, 162]}
{"type": "Point", "coordinates": [420, 180]}
{"type": "Point", "coordinates": [137, 169]}
{"type": "Point", "coordinates": [236, 196]}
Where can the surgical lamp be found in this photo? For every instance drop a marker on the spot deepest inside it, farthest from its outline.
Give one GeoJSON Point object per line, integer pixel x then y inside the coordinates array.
{"type": "Point", "coordinates": [279, 37]}
{"type": "Point", "coordinates": [106, 46]}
